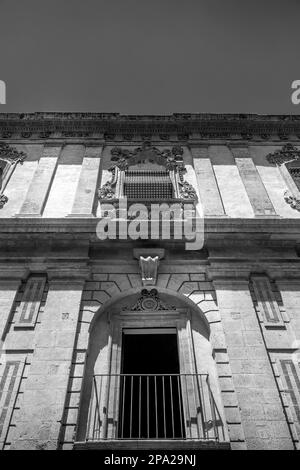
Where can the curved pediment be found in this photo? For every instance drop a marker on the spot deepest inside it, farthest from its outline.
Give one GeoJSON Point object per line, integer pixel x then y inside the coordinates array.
{"type": "Point", "coordinates": [169, 159]}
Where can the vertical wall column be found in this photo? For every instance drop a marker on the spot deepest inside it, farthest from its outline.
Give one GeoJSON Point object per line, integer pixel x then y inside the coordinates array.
{"type": "Point", "coordinates": [206, 181]}
{"type": "Point", "coordinates": [254, 186]}
{"type": "Point", "coordinates": [262, 415]}
{"type": "Point", "coordinates": [39, 187]}
{"type": "Point", "coordinates": [45, 391]}
{"type": "Point", "coordinates": [83, 205]}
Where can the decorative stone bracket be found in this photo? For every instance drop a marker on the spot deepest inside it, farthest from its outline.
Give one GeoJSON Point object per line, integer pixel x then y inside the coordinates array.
{"type": "Point", "coordinates": [148, 263]}
{"type": "Point", "coordinates": [148, 267]}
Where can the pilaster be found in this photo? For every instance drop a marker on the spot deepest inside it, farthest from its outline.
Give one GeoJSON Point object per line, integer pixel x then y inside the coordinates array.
{"type": "Point", "coordinates": [39, 187]}
{"type": "Point", "coordinates": [83, 205]}
{"type": "Point", "coordinates": [206, 181]}
{"type": "Point", "coordinates": [258, 196]}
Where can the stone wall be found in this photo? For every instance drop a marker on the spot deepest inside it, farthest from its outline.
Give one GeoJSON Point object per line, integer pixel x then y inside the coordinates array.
{"type": "Point", "coordinates": [257, 373]}
{"type": "Point", "coordinates": [61, 179]}
{"type": "Point", "coordinates": [56, 276]}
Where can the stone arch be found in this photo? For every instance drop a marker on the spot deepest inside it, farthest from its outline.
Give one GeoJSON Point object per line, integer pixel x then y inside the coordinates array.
{"type": "Point", "coordinates": [133, 293]}
{"type": "Point", "coordinates": [105, 344]}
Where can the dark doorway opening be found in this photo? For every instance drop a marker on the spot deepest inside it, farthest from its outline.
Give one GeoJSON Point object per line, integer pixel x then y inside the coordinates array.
{"type": "Point", "coordinates": [150, 391]}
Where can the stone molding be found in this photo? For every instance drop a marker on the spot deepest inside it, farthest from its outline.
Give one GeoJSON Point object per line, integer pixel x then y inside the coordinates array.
{"type": "Point", "coordinates": [65, 274]}
{"type": "Point", "coordinates": [108, 125]}
{"type": "Point", "coordinates": [137, 252]}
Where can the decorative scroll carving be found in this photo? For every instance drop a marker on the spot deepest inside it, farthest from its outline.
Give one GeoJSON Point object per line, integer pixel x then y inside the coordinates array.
{"type": "Point", "coordinates": [287, 153]}
{"type": "Point", "coordinates": [149, 301]}
{"type": "Point", "coordinates": [149, 268]}
{"type": "Point", "coordinates": [3, 200]}
{"type": "Point", "coordinates": [293, 201]}
{"type": "Point", "coordinates": [108, 190]}
{"type": "Point", "coordinates": [10, 154]}
{"type": "Point", "coordinates": [186, 190]}
{"type": "Point", "coordinates": [169, 158]}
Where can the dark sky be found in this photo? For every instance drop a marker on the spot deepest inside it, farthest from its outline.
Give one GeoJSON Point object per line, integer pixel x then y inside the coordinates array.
{"type": "Point", "coordinates": [150, 56]}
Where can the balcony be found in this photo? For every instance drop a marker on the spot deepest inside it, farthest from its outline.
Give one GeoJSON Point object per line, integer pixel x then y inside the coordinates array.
{"type": "Point", "coordinates": [146, 411]}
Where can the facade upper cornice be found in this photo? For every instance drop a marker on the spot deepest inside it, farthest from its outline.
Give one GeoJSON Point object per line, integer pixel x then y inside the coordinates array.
{"type": "Point", "coordinates": [184, 126]}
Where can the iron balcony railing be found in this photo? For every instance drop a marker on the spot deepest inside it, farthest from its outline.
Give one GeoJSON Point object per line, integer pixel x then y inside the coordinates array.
{"type": "Point", "coordinates": [153, 406]}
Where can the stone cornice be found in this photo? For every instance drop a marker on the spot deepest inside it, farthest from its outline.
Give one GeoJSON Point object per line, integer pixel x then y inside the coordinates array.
{"type": "Point", "coordinates": [184, 126]}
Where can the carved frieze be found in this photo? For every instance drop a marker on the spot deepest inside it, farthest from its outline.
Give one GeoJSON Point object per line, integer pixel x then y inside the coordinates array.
{"type": "Point", "coordinates": [179, 124]}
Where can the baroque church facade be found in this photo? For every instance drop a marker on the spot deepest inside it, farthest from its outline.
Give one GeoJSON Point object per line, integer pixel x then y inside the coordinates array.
{"type": "Point", "coordinates": [117, 338]}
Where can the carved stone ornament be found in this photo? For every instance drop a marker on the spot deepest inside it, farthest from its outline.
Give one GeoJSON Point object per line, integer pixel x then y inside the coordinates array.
{"type": "Point", "coordinates": [108, 190]}
{"type": "Point", "coordinates": [3, 200]}
{"type": "Point", "coordinates": [149, 301]}
{"type": "Point", "coordinates": [148, 267]}
{"type": "Point", "coordinates": [171, 159]}
{"type": "Point", "coordinates": [10, 154]}
{"type": "Point", "coordinates": [287, 153]}
{"type": "Point", "coordinates": [186, 190]}
{"type": "Point", "coordinates": [292, 200]}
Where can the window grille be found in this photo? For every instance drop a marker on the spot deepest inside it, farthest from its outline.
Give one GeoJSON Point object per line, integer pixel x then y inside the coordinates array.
{"type": "Point", "coordinates": [148, 184]}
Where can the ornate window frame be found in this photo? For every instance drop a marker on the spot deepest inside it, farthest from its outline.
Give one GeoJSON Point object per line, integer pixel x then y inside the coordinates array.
{"type": "Point", "coordinates": [122, 159]}
{"type": "Point", "coordinates": [287, 154]}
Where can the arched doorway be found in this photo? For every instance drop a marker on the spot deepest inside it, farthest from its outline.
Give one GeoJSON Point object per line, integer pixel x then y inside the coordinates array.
{"type": "Point", "coordinates": [150, 373]}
